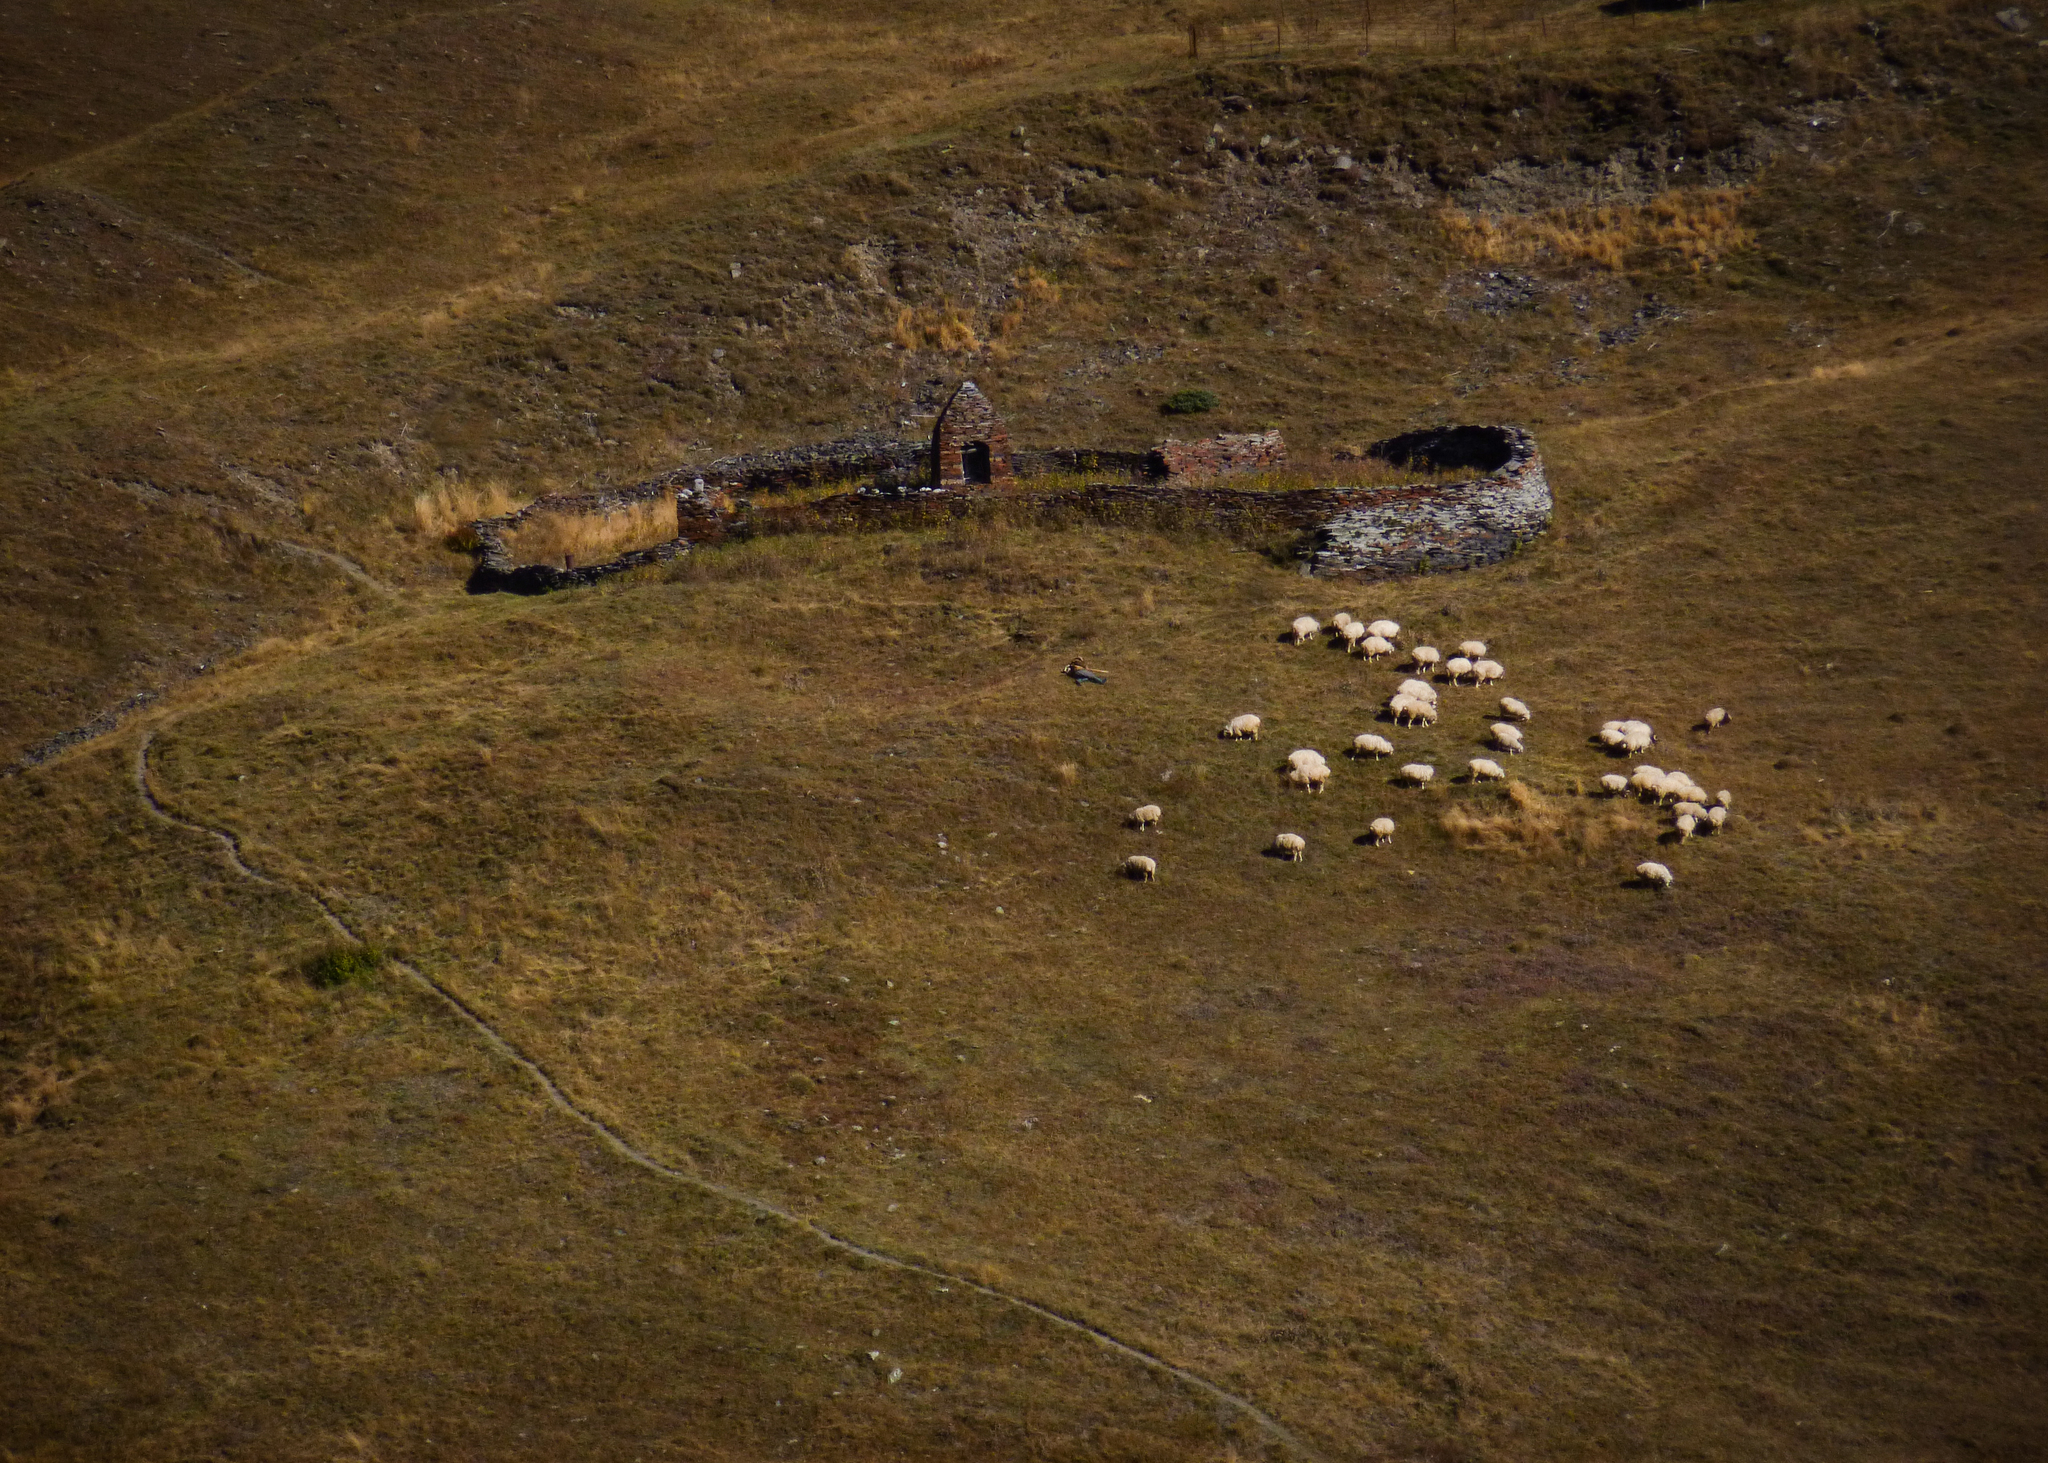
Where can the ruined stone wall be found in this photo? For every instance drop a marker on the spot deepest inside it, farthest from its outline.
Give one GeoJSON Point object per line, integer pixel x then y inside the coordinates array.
{"type": "Point", "coordinates": [1221, 456]}
{"type": "Point", "coordinates": [1366, 532]}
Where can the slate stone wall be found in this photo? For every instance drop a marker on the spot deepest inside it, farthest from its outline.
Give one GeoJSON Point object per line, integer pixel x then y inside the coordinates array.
{"type": "Point", "coordinates": [1373, 533]}
{"type": "Point", "coordinates": [1221, 456]}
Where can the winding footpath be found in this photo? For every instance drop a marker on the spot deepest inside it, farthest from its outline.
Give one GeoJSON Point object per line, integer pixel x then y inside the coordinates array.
{"type": "Point", "coordinates": [231, 850]}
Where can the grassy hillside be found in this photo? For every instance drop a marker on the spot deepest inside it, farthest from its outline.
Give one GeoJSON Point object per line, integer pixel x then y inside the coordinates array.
{"type": "Point", "coordinates": [794, 864]}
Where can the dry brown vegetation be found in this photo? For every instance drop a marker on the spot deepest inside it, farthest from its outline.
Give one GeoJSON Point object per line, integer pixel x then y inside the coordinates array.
{"type": "Point", "coordinates": [592, 538]}
{"type": "Point", "coordinates": [802, 849]}
{"type": "Point", "coordinates": [1696, 226]}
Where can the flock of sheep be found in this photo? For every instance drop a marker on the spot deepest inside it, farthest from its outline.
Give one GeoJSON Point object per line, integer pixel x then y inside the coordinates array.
{"type": "Point", "coordinates": [1415, 703]}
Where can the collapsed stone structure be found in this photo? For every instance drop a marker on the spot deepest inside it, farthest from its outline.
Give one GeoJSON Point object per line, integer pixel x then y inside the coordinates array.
{"type": "Point", "coordinates": [1340, 531]}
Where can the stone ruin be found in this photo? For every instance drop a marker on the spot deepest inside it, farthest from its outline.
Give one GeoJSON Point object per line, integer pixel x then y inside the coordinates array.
{"type": "Point", "coordinates": [970, 444]}
{"type": "Point", "coordinates": [967, 469]}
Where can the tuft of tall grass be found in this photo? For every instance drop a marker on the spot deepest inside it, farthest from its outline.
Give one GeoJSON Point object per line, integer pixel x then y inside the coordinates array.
{"type": "Point", "coordinates": [445, 513]}
{"type": "Point", "coordinates": [1529, 825]}
{"type": "Point", "coordinates": [592, 538]}
{"type": "Point", "coordinates": [1696, 225]}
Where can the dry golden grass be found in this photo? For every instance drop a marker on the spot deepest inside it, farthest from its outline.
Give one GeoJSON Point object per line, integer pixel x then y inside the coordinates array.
{"type": "Point", "coordinates": [444, 513]}
{"type": "Point", "coordinates": [592, 538]}
{"type": "Point", "coordinates": [1695, 226]}
{"type": "Point", "coordinates": [1526, 823]}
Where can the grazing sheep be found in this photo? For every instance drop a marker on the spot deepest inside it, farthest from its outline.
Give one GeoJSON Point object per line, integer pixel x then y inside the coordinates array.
{"type": "Point", "coordinates": [1636, 736]}
{"type": "Point", "coordinates": [1309, 779]}
{"type": "Point", "coordinates": [1418, 773]}
{"type": "Point", "coordinates": [1654, 874]}
{"type": "Point", "coordinates": [1509, 706]}
{"type": "Point", "coordinates": [1307, 757]}
{"type": "Point", "coordinates": [1146, 819]}
{"type": "Point", "coordinates": [1351, 634]}
{"type": "Point", "coordinates": [1648, 781]}
{"type": "Point", "coordinates": [1457, 668]}
{"type": "Point", "coordinates": [1424, 712]}
{"type": "Point", "coordinates": [1485, 672]}
{"type": "Point", "coordinates": [1341, 620]}
{"type": "Point", "coordinates": [1305, 629]}
{"type": "Point", "coordinates": [1716, 816]}
{"type": "Point", "coordinates": [1375, 647]}
{"type": "Point", "coordinates": [1724, 798]}
{"type": "Point", "coordinates": [1138, 867]}
{"type": "Point", "coordinates": [1382, 832]}
{"type": "Point", "coordinates": [1614, 783]}
{"type": "Point", "coordinates": [1402, 707]}
{"type": "Point", "coordinates": [1370, 744]}
{"type": "Point", "coordinates": [1472, 649]}
{"type": "Point", "coordinates": [1612, 737]}
{"type": "Point", "coordinates": [1291, 846]}
{"type": "Point", "coordinates": [1239, 727]}
{"type": "Point", "coordinates": [1508, 738]}
{"type": "Point", "coordinates": [1612, 726]}
{"type": "Point", "coordinates": [1485, 769]}
{"type": "Point", "coordinates": [1424, 656]}
{"type": "Point", "coordinates": [1420, 690]}
{"type": "Point", "coordinates": [1715, 719]}
{"type": "Point", "coordinates": [1689, 810]}
{"type": "Point", "coordinates": [1685, 824]}
{"type": "Point", "coordinates": [1385, 629]}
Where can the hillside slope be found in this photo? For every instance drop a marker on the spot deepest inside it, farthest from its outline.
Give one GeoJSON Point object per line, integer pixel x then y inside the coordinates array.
{"type": "Point", "coordinates": [793, 865]}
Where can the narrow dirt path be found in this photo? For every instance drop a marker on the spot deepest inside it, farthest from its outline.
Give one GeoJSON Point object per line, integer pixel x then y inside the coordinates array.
{"type": "Point", "coordinates": [231, 851]}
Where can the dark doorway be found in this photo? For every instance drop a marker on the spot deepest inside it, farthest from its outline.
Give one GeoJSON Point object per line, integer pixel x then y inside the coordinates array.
{"type": "Point", "coordinates": [974, 463]}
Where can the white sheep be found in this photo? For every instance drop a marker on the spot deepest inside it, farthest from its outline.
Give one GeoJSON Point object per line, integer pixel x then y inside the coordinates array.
{"type": "Point", "coordinates": [1612, 737]}
{"type": "Point", "coordinates": [1424, 656]}
{"type": "Point", "coordinates": [1385, 629]}
{"type": "Point", "coordinates": [1716, 816]}
{"type": "Point", "coordinates": [1472, 649]}
{"type": "Point", "coordinates": [1422, 711]}
{"type": "Point", "coordinates": [1716, 718]}
{"type": "Point", "coordinates": [1485, 769]}
{"type": "Point", "coordinates": [1382, 832]}
{"type": "Point", "coordinates": [1649, 781]}
{"type": "Point", "coordinates": [1614, 783]}
{"type": "Point", "coordinates": [1418, 773]}
{"type": "Point", "coordinates": [1375, 647]}
{"type": "Point", "coordinates": [1457, 668]}
{"type": "Point", "coordinates": [1137, 866]}
{"type": "Point", "coordinates": [1685, 824]}
{"type": "Point", "coordinates": [1307, 757]}
{"type": "Point", "coordinates": [1509, 706]}
{"type": "Point", "coordinates": [1309, 779]}
{"type": "Point", "coordinates": [1341, 620]}
{"type": "Point", "coordinates": [1420, 690]}
{"type": "Point", "coordinates": [1305, 629]}
{"type": "Point", "coordinates": [1239, 727]}
{"type": "Point", "coordinates": [1351, 634]}
{"type": "Point", "coordinates": [1724, 798]}
{"type": "Point", "coordinates": [1403, 707]}
{"type": "Point", "coordinates": [1291, 846]}
{"type": "Point", "coordinates": [1370, 744]}
{"type": "Point", "coordinates": [1485, 672]}
{"type": "Point", "coordinates": [1146, 819]}
{"type": "Point", "coordinates": [1507, 737]}
{"type": "Point", "coordinates": [1637, 736]}
{"type": "Point", "coordinates": [1689, 810]}
{"type": "Point", "coordinates": [1656, 874]}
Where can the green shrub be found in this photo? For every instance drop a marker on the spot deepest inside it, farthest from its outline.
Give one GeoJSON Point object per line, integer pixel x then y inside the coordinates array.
{"type": "Point", "coordinates": [1188, 402]}
{"type": "Point", "coordinates": [340, 965]}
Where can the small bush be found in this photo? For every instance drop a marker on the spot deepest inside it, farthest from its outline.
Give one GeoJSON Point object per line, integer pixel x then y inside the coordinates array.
{"type": "Point", "coordinates": [340, 965]}
{"type": "Point", "coordinates": [1189, 402]}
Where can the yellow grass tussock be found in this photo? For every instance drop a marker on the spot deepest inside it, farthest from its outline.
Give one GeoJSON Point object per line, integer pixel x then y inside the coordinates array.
{"type": "Point", "coordinates": [446, 512]}
{"type": "Point", "coordinates": [1528, 824]}
{"type": "Point", "coordinates": [592, 538]}
{"type": "Point", "coordinates": [1696, 225]}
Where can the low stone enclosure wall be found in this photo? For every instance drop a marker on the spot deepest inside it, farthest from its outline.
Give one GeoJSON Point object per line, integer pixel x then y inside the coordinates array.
{"type": "Point", "coordinates": [1367, 533]}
